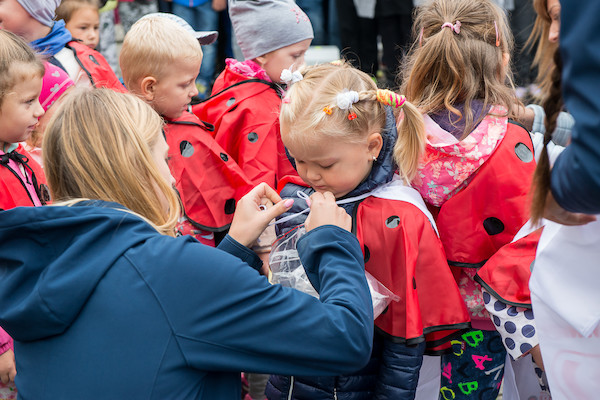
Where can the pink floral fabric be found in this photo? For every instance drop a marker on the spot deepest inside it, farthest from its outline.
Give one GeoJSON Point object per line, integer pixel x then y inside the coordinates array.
{"type": "Point", "coordinates": [447, 164]}
{"type": "Point", "coordinates": [247, 68]}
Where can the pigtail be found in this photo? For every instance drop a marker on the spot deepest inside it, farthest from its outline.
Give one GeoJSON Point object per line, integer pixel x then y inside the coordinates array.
{"type": "Point", "coordinates": [410, 143]}
{"type": "Point", "coordinates": [553, 105]}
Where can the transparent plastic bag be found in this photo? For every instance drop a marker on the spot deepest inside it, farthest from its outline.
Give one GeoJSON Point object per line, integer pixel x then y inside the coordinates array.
{"type": "Point", "coordinates": [287, 270]}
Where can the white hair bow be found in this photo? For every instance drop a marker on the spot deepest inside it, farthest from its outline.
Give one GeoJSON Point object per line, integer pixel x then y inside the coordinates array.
{"type": "Point", "coordinates": [345, 99]}
{"type": "Point", "coordinates": [290, 77]}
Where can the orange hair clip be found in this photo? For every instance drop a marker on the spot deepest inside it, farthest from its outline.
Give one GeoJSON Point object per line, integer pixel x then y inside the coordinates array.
{"type": "Point", "coordinates": [327, 110]}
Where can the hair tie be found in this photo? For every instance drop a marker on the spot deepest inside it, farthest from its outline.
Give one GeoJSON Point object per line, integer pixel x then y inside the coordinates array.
{"type": "Point", "coordinates": [455, 27]}
{"type": "Point", "coordinates": [390, 98]}
{"type": "Point", "coordinates": [497, 34]}
{"type": "Point", "coordinates": [345, 100]}
{"type": "Point", "coordinates": [290, 77]}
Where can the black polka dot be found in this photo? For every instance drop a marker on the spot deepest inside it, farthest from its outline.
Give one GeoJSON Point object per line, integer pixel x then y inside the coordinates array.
{"type": "Point", "coordinates": [367, 254]}
{"type": "Point", "coordinates": [509, 343]}
{"type": "Point", "coordinates": [414, 284]}
{"type": "Point", "coordinates": [224, 157]}
{"type": "Point", "coordinates": [523, 152]}
{"type": "Point", "coordinates": [528, 314]}
{"type": "Point", "coordinates": [93, 59]}
{"type": "Point", "coordinates": [493, 226]}
{"type": "Point", "coordinates": [253, 137]}
{"type": "Point", "coordinates": [186, 148]}
{"type": "Point", "coordinates": [230, 101]}
{"type": "Point", "coordinates": [510, 327]}
{"type": "Point", "coordinates": [486, 297]}
{"type": "Point", "coordinates": [528, 331]}
{"type": "Point", "coordinates": [499, 306]}
{"type": "Point", "coordinates": [392, 222]}
{"type": "Point", "coordinates": [496, 320]}
{"type": "Point", "coordinates": [229, 206]}
{"type": "Point", "coordinates": [512, 311]}
{"type": "Point", "coordinates": [525, 347]}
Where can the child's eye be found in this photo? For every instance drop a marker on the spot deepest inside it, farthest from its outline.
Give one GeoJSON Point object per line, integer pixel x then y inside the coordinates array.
{"type": "Point", "coordinates": [327, 166]}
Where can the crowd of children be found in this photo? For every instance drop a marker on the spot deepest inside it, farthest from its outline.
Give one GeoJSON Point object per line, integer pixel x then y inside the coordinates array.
{"type": "Point", "coordinates": [444, 187]}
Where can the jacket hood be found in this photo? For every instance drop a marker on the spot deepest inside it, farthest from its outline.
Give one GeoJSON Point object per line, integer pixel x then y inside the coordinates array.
{"type": "Point", "coordinates": [52, 258]}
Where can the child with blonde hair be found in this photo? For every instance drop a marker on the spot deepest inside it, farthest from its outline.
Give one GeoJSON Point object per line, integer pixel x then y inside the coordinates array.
{"type": "Point", "coordinates": [474, 175]}
{"type": "Point", "coordinates": [160, 58]}
{"type": "Point", "coordinates": [341, 133]}
{"type": "Point", "coordinates": [82, 19]}
{"type": "Point", "coordinates": [22, 181]}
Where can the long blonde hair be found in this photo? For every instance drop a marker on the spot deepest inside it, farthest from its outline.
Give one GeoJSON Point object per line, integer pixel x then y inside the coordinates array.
{"type": "Point", "coordinates": [544, 53]}
{"type": "Point", "coordinates": [98, 146]}
{"type": "Point", "coordinates": [444, 68]}
{"type": "Point", "coordinates": [304, 114]}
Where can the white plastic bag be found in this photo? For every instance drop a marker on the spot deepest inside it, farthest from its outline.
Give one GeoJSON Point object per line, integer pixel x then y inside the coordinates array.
{"type": "Point", "coordinates": [288, 271]}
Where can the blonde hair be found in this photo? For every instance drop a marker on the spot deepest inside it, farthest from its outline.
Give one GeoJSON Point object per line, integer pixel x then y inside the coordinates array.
{"type": "Point", "coordinates": [545, 49]}
{"type": "Point", "coordinates": [304, 116]}
{"type": "Point", "coordinates": [67, 8]}
{"type": "Point", "coordinates": [18, 62]}
{"type": "Point", "coordinates": [98, 145]}
{"type": "Point", "coordinates": [152, 46]}
{"type": "Point", "coordinates": [444, 68]}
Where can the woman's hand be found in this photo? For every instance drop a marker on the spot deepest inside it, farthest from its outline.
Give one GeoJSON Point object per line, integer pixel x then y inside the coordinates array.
{"type": "Point", "coordinates": [254, 211]}
{"type": "Point", "coordinates": [324, 211]}
{"type": "Point", "coordinates": [554, 212]}
{"type": "Point", "coordinates": [7, 367]}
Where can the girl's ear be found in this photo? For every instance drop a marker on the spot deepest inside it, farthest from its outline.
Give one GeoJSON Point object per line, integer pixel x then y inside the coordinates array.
{"type": "Point", "coordinates": [505, 59]}
{"type": "Point", "coordinates": [148, 88]}
{"type": "Point", "coordinates": [374, 144]}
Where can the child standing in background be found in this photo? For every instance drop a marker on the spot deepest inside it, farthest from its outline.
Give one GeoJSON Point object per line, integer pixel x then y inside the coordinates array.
{"type": "Point", "coordinates": [82, 19]}
{"type": "Point", "coordinates": [244, 107]}
{"type": "Point", "coordinates": [22, 181]}
{"type": "Point", "coordinates": [54, 84]}
{"type": "Point", "coordinates": [341, 132]}
{"type": "Point", "coordinates": [477, 167]}
{"type": "Point", "coordinates": [160, 59]}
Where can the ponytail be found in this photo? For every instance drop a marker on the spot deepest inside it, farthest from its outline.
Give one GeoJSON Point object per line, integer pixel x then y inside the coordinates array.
{"type": "Point", "coordinates": [410, 143]}
{"type": "Point", "coordinates": [541, 179]}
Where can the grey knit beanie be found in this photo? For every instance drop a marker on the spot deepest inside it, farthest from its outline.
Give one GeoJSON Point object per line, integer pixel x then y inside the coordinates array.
{"type": "Point", "coordinates": [41, 10]}
{"type": "Point", "coordinates": [262, 26]}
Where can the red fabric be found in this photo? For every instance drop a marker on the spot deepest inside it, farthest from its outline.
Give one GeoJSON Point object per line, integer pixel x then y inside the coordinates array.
{"type": "Point", "coordinates": [96, 67]}
{"type": "Point", "coordinates": [403, 252]}
{"type": "Point", "coordinates": [245, 113]}
{"type": "Point", "coordinates": [208, 180]}
{"type": "Point", "coordinates": [499, 190]}
{"type": "Point", "coordinates": [506, 275]}
{"type": "Point", "coordinates": [12, 191]}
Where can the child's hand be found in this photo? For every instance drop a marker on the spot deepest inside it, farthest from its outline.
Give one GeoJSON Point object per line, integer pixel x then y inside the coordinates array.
{"type": "Point", "coordinates": [7, 367]}
{"type": "Point", "coordinates": [324, 211]}
{"type": "Point", "coordinates": [250, 219]}
{"type": "Point", "coordinates": [554, 212]}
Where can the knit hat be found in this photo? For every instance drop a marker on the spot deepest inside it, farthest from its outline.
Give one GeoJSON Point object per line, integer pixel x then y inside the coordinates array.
{"type": "Point", "coordinates": [262, 26]}
{"type": "Point", "coordinates": [41, 10]}
{"type": "Point", "coordinates": [204, 37]}
{"type": "Point", "coordinates": [54, 84]}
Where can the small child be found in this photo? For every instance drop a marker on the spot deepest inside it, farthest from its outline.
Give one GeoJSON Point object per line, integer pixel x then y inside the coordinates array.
{"type": "Point", "coordinates": [160, 59]}
{"type": "Point", "coordinates": [55, 84]}
{"type": "Point", "coordinates": [34, 21]}
{"type": "Point", "coordinates": [22, 181]}
{"type": "Point", "coordinates": [244, 107]}
{"type": "Point", "coordinates": [341, 132]}
{"type": "Point", "coordinates": [477, 168]}
{"type": "Point", "coordinates": [82, 19]}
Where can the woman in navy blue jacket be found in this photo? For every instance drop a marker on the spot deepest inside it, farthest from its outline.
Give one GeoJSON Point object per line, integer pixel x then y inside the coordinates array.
{"type": "Point", "coordinates": [104, 303]}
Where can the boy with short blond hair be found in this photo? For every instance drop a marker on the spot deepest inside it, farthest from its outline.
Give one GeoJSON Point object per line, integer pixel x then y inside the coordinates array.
{"type": "Point", "coordinates": [160, 59]}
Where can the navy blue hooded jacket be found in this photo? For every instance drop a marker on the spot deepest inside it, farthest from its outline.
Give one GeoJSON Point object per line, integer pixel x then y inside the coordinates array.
{"type": "Point", "coordinates": [101, 306]}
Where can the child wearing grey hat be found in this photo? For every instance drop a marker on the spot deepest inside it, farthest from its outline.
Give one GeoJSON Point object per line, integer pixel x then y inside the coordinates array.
{"type": "Point", "coordinates": [244, 107]}
{"type": "Point", "coordinates": [34, 21]}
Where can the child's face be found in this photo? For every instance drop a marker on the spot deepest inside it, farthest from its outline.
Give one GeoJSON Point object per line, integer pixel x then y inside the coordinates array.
{"type": "Point", "coordinates": [174, 91]}
{"type": "Point", "coordinates": [15, 19]}
{"type": "Point", "coordinates": [553, 7]}
{"type": "Point", "coordinates": [85, 26]}
{"type": "Point", "coordinates": [337, 168]}
{"type": "Point", "coordinates": [276, 61]}
{"type": "Point", "coordinates": [20, 111]}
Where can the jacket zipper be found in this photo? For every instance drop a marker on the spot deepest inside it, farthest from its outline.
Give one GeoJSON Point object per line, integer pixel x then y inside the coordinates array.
{"type": "Point", "coordinates": [334, 393]}
{"type": "Point", "coordinates": [291, 388]}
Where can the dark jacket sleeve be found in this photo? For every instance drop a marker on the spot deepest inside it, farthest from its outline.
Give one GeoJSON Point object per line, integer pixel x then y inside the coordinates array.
{"type": "Point", "coordinates": [227, 317]}
{"type": "Point", "coordinates": [576, 173]}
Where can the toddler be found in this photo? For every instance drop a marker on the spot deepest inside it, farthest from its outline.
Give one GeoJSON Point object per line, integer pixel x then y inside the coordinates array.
{"type": "Point", "coordinates": [82, 19]}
